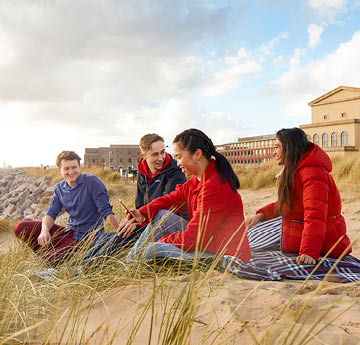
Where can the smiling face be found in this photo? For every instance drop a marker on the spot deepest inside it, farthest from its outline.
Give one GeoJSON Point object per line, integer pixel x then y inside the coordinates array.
{"type": "Point", "coordinates": [278, 152]}
{"type": "Point", "coordinates": [70, 171]}
{"type": "Point", "coordinates": [185, 160]}
{"type": "Point", "coordinates": [155, 156]}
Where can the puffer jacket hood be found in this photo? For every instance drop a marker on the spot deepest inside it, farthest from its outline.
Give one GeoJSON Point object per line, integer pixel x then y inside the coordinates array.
{"type": "Point", "coordinates": [315, 156]}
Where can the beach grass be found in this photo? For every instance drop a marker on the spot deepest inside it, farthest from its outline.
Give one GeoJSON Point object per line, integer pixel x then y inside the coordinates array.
{"type": "Point", "coordinates": [167, 302]}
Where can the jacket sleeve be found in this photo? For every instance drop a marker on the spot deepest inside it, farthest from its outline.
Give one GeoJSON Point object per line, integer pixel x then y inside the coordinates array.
{"type": "Point", "coordinates": [210, 212]}
{"type": "Point", "coordinates": [315, 201]}
{"type": "Point", "coordinates": [176, 178]}
{"type": "Point", "coordinates": [139, 200]}
{"type": "Point", "coordinates": [176, 200]}
{"type": "Point", "coordinates": [270, 211]}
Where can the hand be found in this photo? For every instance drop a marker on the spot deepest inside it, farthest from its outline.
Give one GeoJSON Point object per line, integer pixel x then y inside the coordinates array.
{"type": "Point", "coordinates": [128, 225]}
{"type": "Point", "coordinates": [44, 238]}
{"type": "Point", "coordinates": [305, 260]}
{"type": "Point", "coordinates": [139, 217]}
{"type": "Point", "coordinates": [251, 221]}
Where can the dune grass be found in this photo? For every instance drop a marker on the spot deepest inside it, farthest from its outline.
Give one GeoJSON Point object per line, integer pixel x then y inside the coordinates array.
{"type": "Point", "coordinates": [172, 303]}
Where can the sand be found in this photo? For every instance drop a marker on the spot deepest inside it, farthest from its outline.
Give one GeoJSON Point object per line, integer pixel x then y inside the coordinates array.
{"type": "Point", "coordinates": [230, 310]}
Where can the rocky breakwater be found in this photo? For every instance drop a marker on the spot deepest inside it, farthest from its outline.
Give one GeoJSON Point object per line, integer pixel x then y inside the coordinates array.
{"type": "Point", "coordinates": [23, 197]}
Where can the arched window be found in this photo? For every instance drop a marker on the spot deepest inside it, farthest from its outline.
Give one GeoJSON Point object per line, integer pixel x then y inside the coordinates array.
{"type": "Point", "coordinates": [344, 139]}
{"type": "Point", "coordinates": [325, 140]}
{"type": "Point", "coordinates": [334, 139]}
{"type": "Point", "coordinates": [316, 139]}
{"type": "Point", "coordinates": [308, 137]}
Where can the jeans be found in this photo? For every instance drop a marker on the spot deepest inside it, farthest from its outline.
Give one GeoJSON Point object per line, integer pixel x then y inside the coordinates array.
{"type": "Point", "coordinates": [147, 247]}
{"type": "Point", "coordinates": [108, 243]}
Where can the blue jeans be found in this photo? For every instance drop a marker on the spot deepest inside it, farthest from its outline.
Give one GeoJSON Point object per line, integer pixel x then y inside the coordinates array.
{"type": "Point", "coordinates": [108, 243]}
{"type": "Point", "coordinates": [147, 247]}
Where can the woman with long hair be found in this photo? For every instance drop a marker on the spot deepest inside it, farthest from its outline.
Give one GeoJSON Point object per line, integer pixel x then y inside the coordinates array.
{"type": "Point", "coordinates": [215, 223]}
{"type": "Point", "coordinates": [308, 201]}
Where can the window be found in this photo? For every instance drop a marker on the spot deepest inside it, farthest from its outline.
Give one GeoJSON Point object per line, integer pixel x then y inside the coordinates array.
{"type": "Point", "coordinates": [343, 115]}
{"type": "Point", "coordinates": [121, 160]}
{"type": "Point", "coordinates": [316, 139]}
{"type": "Point", "coordinates": [94, 160]}
{"type": "Point", "coordinates": [129, 153]}
{"type": "Point", "coordinates": [326, 117]}
{"type": "Point", "coordinates": [325, 140]}
{"type": "Point", "coordinates": [344, 139]}
{"type": "Point", "coordinates": [111, 160]}
{"type": "Point", "coordinates": [334, 139]}
{"type": "Point", "coordinates": [130, 160]}
{"type": "Point", "coordinates": [308, 137]}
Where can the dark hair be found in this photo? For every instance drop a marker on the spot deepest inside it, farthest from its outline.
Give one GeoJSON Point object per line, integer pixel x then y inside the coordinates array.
{"type": "Point", "coordinates": [294, 144]}
{"type": "Point", "coordinates": [68, 156]}
{"type": "Point", "coordinates": [193, 139]}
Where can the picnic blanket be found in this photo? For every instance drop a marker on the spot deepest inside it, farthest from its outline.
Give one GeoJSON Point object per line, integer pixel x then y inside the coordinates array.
{"type": "Point", "coordinates": [268, 262]}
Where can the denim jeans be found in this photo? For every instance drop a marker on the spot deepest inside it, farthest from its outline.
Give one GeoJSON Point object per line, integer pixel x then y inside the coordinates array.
{"type": "Point", "coordinates": [108, 243]}
{"type": "Point", "coordinates": [147, 247]}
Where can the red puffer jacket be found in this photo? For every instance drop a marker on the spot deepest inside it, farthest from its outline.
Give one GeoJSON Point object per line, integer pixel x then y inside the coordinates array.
{"type": "Point", "coordinates": [213, 209]}
{"type": "Point", "coordinates": [314, 224]}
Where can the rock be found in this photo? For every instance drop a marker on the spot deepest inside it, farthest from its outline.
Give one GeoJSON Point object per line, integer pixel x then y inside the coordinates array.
{"type": "Point", "coordinates": [50, 190]}
{"type": "Point", "coordinates": [9, 210]}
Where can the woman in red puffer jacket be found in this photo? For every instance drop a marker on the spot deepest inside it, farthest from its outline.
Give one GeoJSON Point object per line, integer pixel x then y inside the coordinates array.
{"type": "Point", "coordinates": [308, 201]}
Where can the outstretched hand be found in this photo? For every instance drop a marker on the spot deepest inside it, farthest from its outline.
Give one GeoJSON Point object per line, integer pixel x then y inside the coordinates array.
{"type": "Point", "coordinates": [128, 224]}
{"type": "Point", "coordinates": [305, 260]}
{"type": "Point", "coordinates": [251, 221]}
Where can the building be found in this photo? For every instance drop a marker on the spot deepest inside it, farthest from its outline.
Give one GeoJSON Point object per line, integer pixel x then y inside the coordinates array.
{"type": "Point", "coordinates": [250, 150]}
{"type": "Point", "coordinates": [115, 156]}
{"type": "Point", "coordinates": [335, 118]}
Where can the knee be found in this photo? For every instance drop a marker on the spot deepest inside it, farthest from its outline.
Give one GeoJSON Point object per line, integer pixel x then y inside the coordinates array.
{"type": "Point", "coordinates": [19, 228]}
{"type": "Point", "coordinates": [24, 228]}
{"type": "Point", "coordinates": [160, 214]}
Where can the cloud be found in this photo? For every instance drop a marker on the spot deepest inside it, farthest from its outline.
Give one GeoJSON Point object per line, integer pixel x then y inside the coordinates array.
{"type": "Point", "coordinates": [236, 68]}
{"type": "Point", "coordinates": [314, 32]}
{"type": "Point", "coordinates": [303, 83]}
{"type": "Point", "coordinates": [328, 10]}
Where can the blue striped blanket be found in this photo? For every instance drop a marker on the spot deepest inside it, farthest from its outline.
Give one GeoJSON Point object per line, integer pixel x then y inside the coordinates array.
{"type": "Point", "coordinates": [268, 262]}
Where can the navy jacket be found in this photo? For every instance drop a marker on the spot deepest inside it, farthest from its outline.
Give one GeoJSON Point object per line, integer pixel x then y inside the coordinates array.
{"type": "Point", "coordinates": [161, 184]}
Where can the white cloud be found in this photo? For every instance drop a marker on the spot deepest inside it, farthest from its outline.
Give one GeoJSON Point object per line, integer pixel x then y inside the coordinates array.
{"type": "Point", "coordinates": [236, 68]}
{"type": "Point", "coordinates": [315, 31]}
{"type": "Point", "coordinates": [328, 10]}
{"type": "Point", "coordinates": [303, 83]}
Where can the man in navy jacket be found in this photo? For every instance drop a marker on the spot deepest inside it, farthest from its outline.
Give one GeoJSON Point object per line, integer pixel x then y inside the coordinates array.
{"type": "Point", "coordinates": [158, 176]}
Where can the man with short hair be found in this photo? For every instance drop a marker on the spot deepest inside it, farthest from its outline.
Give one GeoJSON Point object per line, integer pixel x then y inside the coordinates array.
{"type": "Point", "coordinates": [158, 176]}
{"type": "Point", "coordinates": [84, 198]}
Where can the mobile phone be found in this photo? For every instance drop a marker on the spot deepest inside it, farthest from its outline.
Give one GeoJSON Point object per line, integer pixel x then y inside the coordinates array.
{"type": "Point", "coordinates": [126, 208]}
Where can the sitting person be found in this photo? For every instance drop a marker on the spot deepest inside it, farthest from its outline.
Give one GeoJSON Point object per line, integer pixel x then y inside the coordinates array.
{"type": "Point", "coordinates": [308, 201]}
{"type": "Point", "coordinates": [158, 176]}
{"type": "Point", "coordinates": [85, 199]}
{"type": "Point", "coordinates": [215, 223]}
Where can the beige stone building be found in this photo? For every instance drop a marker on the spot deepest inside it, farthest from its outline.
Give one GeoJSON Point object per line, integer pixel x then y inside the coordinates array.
{"type": "Point", "coordinates": [114, 156]}
{"type": "Point", "coordinates": [249, 150]}
{"type": "Point", "coordinates": [335, 119]}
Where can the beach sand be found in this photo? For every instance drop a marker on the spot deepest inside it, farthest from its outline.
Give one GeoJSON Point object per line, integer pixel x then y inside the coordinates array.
{"type": "Point", "coordinates": [230, 310]}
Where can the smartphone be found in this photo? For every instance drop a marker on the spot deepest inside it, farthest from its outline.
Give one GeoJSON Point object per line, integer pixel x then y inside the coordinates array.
{"type": "Point", "coordinates": [126, 208]}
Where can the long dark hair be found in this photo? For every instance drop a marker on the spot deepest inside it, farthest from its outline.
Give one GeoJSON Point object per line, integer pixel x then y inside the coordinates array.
{"type": "Point", "coordinates": [294, 144]}
{"type": "Point", "coordinates": [193, 139]}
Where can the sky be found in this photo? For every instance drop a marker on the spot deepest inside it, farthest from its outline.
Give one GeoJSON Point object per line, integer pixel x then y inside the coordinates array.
{"type": "Point", "coordinates": [76, 74]}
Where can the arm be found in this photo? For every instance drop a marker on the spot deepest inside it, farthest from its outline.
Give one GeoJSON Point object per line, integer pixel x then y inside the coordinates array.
{"type": "Point", "coordinates": [111, 219]}
{"type": "Point", "coordinates": [139, 200]}
{"type": "Point", "coordinates": [177, 178]}
{"type": "Point", "coordinates": [175, 200]}
{"type": "Point", "coordinates": [270, 211]}
{"type": "Point", "coordinates": [315, 202]}
{"type": "Point", "coordinates": [211, 211]}
{"type": "Point", "coordinates": [100, 197]}
{"type": "Point", "coordinates": [45, 237]}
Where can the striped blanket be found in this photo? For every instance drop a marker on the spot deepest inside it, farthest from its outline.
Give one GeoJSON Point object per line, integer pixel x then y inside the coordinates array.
{"type": "Point", "coordinates": [268, 262]}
